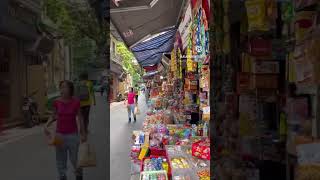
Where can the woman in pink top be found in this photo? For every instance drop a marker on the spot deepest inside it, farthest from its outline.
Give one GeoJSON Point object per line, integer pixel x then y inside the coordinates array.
{"type": "Point", "coordinates": [69, 124]}
{"type": "Point", "coordinates": [131, 104]}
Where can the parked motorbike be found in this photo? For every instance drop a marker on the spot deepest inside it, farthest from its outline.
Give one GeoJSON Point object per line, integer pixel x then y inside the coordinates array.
{"type": "Point", "coordinates": [30, 111]}
{"type": "Point", "coordinates": [119, 97]}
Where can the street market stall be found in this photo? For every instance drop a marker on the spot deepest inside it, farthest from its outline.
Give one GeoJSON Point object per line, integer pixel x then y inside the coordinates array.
{"type": "Point", "coordinates": [173, 142]}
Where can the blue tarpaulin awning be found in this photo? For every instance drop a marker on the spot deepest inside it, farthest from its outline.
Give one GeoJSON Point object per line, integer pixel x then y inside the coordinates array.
{"type": "Point", "coordinates": [150, 52]}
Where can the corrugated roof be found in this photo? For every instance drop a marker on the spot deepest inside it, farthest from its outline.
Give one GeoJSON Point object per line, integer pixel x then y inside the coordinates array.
{"type": "Point", "coordinates": [135, 23]}
{"type": "Point", "coordinates": [150, 52]}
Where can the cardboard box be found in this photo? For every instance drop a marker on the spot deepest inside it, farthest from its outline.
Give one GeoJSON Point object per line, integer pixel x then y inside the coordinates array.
{"type": "Point", "coordinates": [191, 85]}
{"type": "Point", "coordinates": [265, 81]}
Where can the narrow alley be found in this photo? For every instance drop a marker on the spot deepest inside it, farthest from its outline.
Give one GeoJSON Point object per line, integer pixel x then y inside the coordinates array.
{"type": "Point", "coordinates": [120, 138]}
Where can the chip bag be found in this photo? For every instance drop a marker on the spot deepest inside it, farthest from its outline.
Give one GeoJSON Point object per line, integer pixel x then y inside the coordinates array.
{"type": "Point", "coordinates": [257, 15]}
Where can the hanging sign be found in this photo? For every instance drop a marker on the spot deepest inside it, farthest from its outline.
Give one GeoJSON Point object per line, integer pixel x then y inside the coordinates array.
{"type": "Point", "coordinates": [185, 26]}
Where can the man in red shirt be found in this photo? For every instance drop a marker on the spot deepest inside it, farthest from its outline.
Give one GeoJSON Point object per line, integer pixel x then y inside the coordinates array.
{"type": "Point", "coordinates": [131, 104]}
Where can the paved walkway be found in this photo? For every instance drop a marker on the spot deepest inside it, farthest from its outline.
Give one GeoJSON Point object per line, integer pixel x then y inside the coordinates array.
{"type": "Point", "coordinates": [120, 139]}
{"type": "Point", "coordinates": [24, 154]}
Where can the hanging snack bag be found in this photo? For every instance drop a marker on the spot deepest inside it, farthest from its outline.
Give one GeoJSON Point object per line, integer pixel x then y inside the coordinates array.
{"type": "Point", "coordinates": [304, 24]}
{"type": "Point", "coordinates": [256, 12]}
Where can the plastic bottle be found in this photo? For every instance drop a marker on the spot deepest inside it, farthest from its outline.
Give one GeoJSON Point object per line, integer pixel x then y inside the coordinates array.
{"type": "Point", "coordinates": [194, 130]}
{"type": "Point", "coordinates": [205, 129]}
{"type": "Point", "coordinates": [141, 138]}
{"type": "Point", "coordinates": [165, 165]}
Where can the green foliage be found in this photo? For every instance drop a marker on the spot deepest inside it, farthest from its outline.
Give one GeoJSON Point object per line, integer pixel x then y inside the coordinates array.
{"type": "Point", "coordinates": [81, 29]}
{"type": "Point", "coordinates": [128, 64]}
{"type": "Point", "coordinates": [77, 20]}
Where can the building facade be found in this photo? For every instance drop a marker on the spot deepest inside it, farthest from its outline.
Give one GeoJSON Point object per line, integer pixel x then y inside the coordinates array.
{"type": "Point", "coordinates": [116, 70]}
{"type": "Point", "coordinates": [22, 51]}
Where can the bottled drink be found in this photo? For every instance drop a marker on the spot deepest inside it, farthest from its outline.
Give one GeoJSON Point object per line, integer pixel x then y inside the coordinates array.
{"type": "Point", "coordinates": [165, 165]}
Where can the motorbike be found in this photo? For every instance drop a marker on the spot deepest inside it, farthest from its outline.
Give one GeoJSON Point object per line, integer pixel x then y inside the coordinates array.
{"type": "Point", "coordinates": [30, 111]}
{"type": "Point", "coordinates": [119, 97]}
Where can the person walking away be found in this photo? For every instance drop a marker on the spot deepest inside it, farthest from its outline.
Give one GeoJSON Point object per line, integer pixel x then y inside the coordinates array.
{"type": "Point", "coordinates": [137, 94]}
{"type": "Point", "coordinates": [131, 104]}
{"type": "Point", "coordinates": [87, 98]}
{"type": "Point", "coordinates": [69, 123]}
{"type": "Point", "coordinates": [104, 86]}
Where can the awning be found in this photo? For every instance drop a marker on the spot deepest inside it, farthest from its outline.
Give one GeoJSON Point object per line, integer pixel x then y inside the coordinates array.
{"type": "Point", "coordinates": [151, 68]}
{"type": "Point", "coordinates": [150, 52]}
{"type": "Point", "coordinates": [150, 74]}
{"type": "Point", "coordinates": [138, 19]}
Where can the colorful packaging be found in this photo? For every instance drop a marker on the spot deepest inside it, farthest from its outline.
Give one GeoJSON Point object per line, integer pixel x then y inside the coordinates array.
{"type": "Point", "coordinates": [256, 12]}
{"type": "Point", "coordinates": [260, 47]}
{"type": "Point", "coordinates": [265, 67]}
{"type": "Point", "coordinates": [201, 149]}
{"type": "Point", "coordinates": [304, 24]}
{"type": "Point", "coordinates": [204, 174]}
{"type": "Point", "coordinates": [179, 163]}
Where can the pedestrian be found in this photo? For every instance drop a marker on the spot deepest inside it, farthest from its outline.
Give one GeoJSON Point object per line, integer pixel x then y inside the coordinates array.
{"type": "Point", "coordinates": [85, 92]}
{"type": "Point", "coordinates": [101, 90]}
{"type": "Point", "coordinates": [103, 87]}
{"type": "Point", "coordinates": [137, 94]}
{"type": "Point", "coordinates": [1, 119]}
{"type": "Point", "coordinates": [131, 104]}
{"type": "Point", "coordinates": [68, 116]}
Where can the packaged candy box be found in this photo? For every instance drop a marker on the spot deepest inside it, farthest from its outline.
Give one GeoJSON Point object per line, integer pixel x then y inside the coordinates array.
{"type": "Point", "coordinates": [201, 149]}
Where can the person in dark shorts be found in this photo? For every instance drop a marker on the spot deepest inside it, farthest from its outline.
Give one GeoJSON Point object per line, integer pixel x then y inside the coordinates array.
{"type": "Point", "coordinates": [137, 93]}
{"type": "Point", "coordinates": [87, 99]}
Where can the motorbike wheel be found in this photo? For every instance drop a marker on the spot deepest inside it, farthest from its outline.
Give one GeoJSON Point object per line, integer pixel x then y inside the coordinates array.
{"type": "Point", "coordinates": [28, 120]}
{"type": "Point", "coordinates": [35, 119]}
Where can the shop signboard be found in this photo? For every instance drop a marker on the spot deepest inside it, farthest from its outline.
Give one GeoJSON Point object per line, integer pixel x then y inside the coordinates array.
{"type": "Point", "coordinates": [185, 26]}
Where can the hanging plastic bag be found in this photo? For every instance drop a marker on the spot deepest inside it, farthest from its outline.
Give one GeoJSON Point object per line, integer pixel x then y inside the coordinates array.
{"type": "Point", "coordinates": [304, 24]}
{"type": "Point", "coordinates": [54, 140]}
{"type": "Point", "coordinates": [256, 12]}
{"type": "Point", "coordinates": [136, 110]}
{"type": "Point", "coordinates": [86, 156]}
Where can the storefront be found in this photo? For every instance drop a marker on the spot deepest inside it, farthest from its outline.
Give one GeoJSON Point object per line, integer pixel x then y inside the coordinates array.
{"type": "Point", "coordinates": [174, 141]}
{"type": "Point", "coordinates": [21, 46]}
{"type": "Point", "coordinates": [265, 89]}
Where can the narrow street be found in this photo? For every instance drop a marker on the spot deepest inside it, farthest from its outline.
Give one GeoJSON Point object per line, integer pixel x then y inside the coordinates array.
{"type": "Point", "coordinates": [27, 155]}
{"type": "Point", "coordinates": [120, 138]}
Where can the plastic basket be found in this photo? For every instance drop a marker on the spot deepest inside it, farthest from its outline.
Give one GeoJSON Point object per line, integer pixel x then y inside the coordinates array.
{"type": "Point", "coordinates": [153, 172]}
{"type": "Point", "coordinates": [142, 164]}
